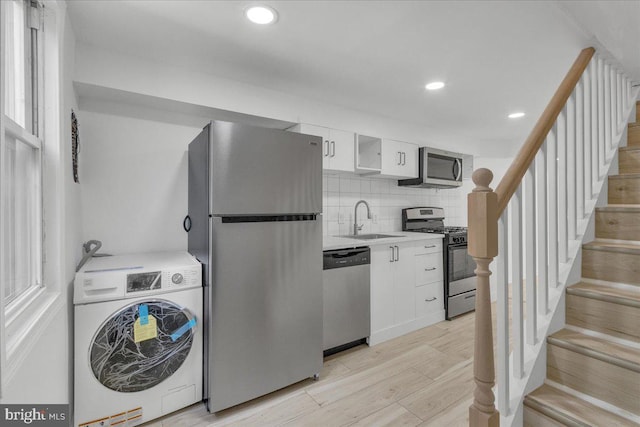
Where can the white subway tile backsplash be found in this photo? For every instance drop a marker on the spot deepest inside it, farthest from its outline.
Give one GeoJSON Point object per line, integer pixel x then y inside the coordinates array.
{"type": "Point", "coordinates": [387, 199]}
{"type": "Point", "coordinates": [365, 186]}
{"type": "Point", "coordinates": [333, 183]}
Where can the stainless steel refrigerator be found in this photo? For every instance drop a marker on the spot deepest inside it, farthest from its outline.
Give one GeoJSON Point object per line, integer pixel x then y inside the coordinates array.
{"type": "Point", "coordinates": [255, 199]}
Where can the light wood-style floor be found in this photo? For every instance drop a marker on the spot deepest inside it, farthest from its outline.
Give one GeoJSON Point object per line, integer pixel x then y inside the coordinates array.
{"type": "Point", "coordinates": [424, 378]}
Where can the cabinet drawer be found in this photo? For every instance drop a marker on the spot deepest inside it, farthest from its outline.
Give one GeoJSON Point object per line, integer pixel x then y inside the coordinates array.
{"type": "Point", "coordinates": [429, 299]}
{"type": "Point", "coordinates": [429, 268]}
{"type": "Point", "coordinates": [429, 247]}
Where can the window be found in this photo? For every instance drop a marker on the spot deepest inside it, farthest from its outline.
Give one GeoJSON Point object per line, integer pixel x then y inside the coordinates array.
{"type": "Point", "coordinates": [21, 153]}
{"type": "Point", "coordinates": [31, 38]}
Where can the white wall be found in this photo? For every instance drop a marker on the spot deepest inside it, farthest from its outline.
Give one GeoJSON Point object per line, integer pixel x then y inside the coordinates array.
{"type": "Point", "coordinates": [133, 178]}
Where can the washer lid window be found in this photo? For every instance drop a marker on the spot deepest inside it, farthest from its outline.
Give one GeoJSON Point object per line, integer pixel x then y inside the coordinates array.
{"type": "Point", "coordinates": [123, 365]}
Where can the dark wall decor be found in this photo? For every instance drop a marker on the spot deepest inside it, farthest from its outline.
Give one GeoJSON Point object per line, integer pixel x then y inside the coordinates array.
{"type": "Point", "coordinates": [75, 146]}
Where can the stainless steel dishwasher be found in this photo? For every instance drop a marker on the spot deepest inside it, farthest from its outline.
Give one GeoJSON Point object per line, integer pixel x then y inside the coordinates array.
{"type": "Point", "coordinates": [346, 297]}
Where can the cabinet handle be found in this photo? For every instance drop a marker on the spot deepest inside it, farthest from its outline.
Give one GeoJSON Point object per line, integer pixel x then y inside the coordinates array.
{"type": "Point", "coordinates": [399, 158]}
{"type": "Point", "coordinates": [430, 269]}
{"type": "Point", "coordinates": [392, 254]}
{"type": "Point", "coordinates": [431, 299]}
{"type": "Point", "coordinates": [470, 296]}
{"type": "Point", "coordinates": [430, 246]}
{"type": "Point", "coordinates": [397, 253]}
{"type": "Point", "coordinates": [326, 143]}
{"type": "Point", "coordinates": [333, 148]}
{"type": "Point", "coordinates": [404, 158]}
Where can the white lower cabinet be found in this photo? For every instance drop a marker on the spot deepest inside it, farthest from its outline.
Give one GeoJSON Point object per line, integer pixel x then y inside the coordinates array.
{"type": "Point", "coordinates": [382, 284]}
{"type": "Point", "coordinates": [402, 280]}
{"type": "Point", "coordinates": [429, 299]}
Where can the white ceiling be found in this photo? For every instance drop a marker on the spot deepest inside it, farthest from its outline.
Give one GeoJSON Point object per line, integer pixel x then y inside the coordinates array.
{"type": "Point", "coordinates": [375, 56]}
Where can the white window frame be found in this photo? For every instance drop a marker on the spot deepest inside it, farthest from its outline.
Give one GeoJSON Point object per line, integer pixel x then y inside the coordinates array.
{"type": "Point", "coordinates": [24, 320]}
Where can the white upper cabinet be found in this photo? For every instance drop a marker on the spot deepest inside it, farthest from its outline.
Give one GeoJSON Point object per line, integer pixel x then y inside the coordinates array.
{"type": "Point", "coordinates": [399, 159]}
{"type": "Point", "coordinates": [337, 146]}
{"type": "Point", "coordinates": [368, 155]}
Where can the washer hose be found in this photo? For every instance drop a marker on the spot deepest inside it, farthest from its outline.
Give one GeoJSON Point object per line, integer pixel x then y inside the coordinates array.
{"type": "Point", "coordinates": [89, 250]}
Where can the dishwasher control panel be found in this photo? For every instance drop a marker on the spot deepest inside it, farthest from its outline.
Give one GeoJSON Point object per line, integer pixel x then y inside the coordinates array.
{"type": "Point", "coordinates": [346, 258]}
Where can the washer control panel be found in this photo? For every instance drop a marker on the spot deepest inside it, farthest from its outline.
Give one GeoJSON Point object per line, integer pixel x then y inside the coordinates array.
{"type": "Point", "coordinates": [123, 276]}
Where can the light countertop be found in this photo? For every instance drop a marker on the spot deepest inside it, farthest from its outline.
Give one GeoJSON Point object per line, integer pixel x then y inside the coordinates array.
{"type": "Point", "coordinates": [337, 242]}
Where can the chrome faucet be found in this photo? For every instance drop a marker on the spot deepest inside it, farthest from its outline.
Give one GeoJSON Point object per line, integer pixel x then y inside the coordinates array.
{"type": "Point", "coordinates": [357, 227]}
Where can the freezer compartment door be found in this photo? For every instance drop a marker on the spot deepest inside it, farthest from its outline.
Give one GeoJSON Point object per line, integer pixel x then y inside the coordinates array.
{"type": "Point", "coordinates": [264, 171]}
{"type": "Point", "coordinates": [265, 305]}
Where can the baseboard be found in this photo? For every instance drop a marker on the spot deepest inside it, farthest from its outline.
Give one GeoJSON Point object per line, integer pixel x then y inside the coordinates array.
{"type": "Point", "coordinates": [404, 328]}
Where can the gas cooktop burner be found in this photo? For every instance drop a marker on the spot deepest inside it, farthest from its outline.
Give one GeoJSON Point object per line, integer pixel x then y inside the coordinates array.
{"type": "Point", "coordinates": [455, 229]}
{"type": "Point", "coordinates": [442, 230]}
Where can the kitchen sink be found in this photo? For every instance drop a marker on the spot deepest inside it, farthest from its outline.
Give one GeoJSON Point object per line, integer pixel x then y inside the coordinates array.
{"type": "Point", "coordinates": [370, 236]}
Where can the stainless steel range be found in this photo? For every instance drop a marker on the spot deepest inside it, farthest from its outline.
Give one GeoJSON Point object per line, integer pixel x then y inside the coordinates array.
{"type": "Point", "coordinates": [459, 277]}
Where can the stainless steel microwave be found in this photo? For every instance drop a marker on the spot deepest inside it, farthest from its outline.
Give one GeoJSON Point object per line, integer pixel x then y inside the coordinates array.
{"type": "Point", "coordinates": [436, 169]}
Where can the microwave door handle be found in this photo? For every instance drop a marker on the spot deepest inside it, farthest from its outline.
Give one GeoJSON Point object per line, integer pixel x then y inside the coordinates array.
{"type": "Point", "coordinates": [456, 169]}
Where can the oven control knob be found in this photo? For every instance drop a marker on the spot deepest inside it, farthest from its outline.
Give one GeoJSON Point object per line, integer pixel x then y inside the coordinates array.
{"type": "Point", "coordinates": [177, 278]}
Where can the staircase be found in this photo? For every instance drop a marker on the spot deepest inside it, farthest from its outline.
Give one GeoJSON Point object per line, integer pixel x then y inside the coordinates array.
{"type": "Point", "coordinates": [593, 364]}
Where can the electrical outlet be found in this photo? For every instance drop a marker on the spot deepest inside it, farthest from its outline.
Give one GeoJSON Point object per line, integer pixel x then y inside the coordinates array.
{"type": "Point", "coordinates": [375, 218]}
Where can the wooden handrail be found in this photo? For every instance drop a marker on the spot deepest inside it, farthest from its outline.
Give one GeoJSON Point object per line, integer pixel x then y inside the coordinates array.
{"type": "Point", "coordinates": [511, 180]}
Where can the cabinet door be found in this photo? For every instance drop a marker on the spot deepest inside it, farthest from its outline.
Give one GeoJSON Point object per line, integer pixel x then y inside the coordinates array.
{"type": "Point", "coordinates": [341, 151]}
{"type": "Point", "coordinates": [391, 157]}
{"type": "Point", "coordinates": [429, 268]}
{"type": "Point", "coordinates": [321, 132]}
{"type": "Point", "coordinates": [429, 299]}
{"type": "Point", "coordinates": [409, 160]}
{"type": "Point", "coordinates": [404, 283]}
{"type": "Point", "coordinates": [382, 287]}
{"type": "Point", "coordinates": [399, 159]}
{"type": "Point", "coordinates": [429, 247]}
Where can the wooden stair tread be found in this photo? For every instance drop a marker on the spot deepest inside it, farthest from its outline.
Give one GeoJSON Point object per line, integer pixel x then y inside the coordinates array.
{"type": "Point", "coordinates": [625, 176]}
{"type": "Point", "coordinates": [571, 410]}
{"type": "Point", "coordinates": [629, 148]}
{"type": "Point", "coordinates": [599, 348]}
{"type": "Point", "coordinates": [620, 208]}
{"type": "Point", "coordinates": [601, 245]}
{"type": "Point", "coordinates": [628, 295]}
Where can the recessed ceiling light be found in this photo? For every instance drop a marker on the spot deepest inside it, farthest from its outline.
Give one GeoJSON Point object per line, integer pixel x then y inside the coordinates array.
{"type": "Point", "coordinates": [434, 85]}
{"type": "Point", "coordinates": [262, 15]}
{"type": "Point", "coordinates": [516, 115]}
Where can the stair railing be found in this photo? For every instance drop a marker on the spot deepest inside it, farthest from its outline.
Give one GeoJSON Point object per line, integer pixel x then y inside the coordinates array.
{"type": "Point", "coordinates": [553, 183]}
